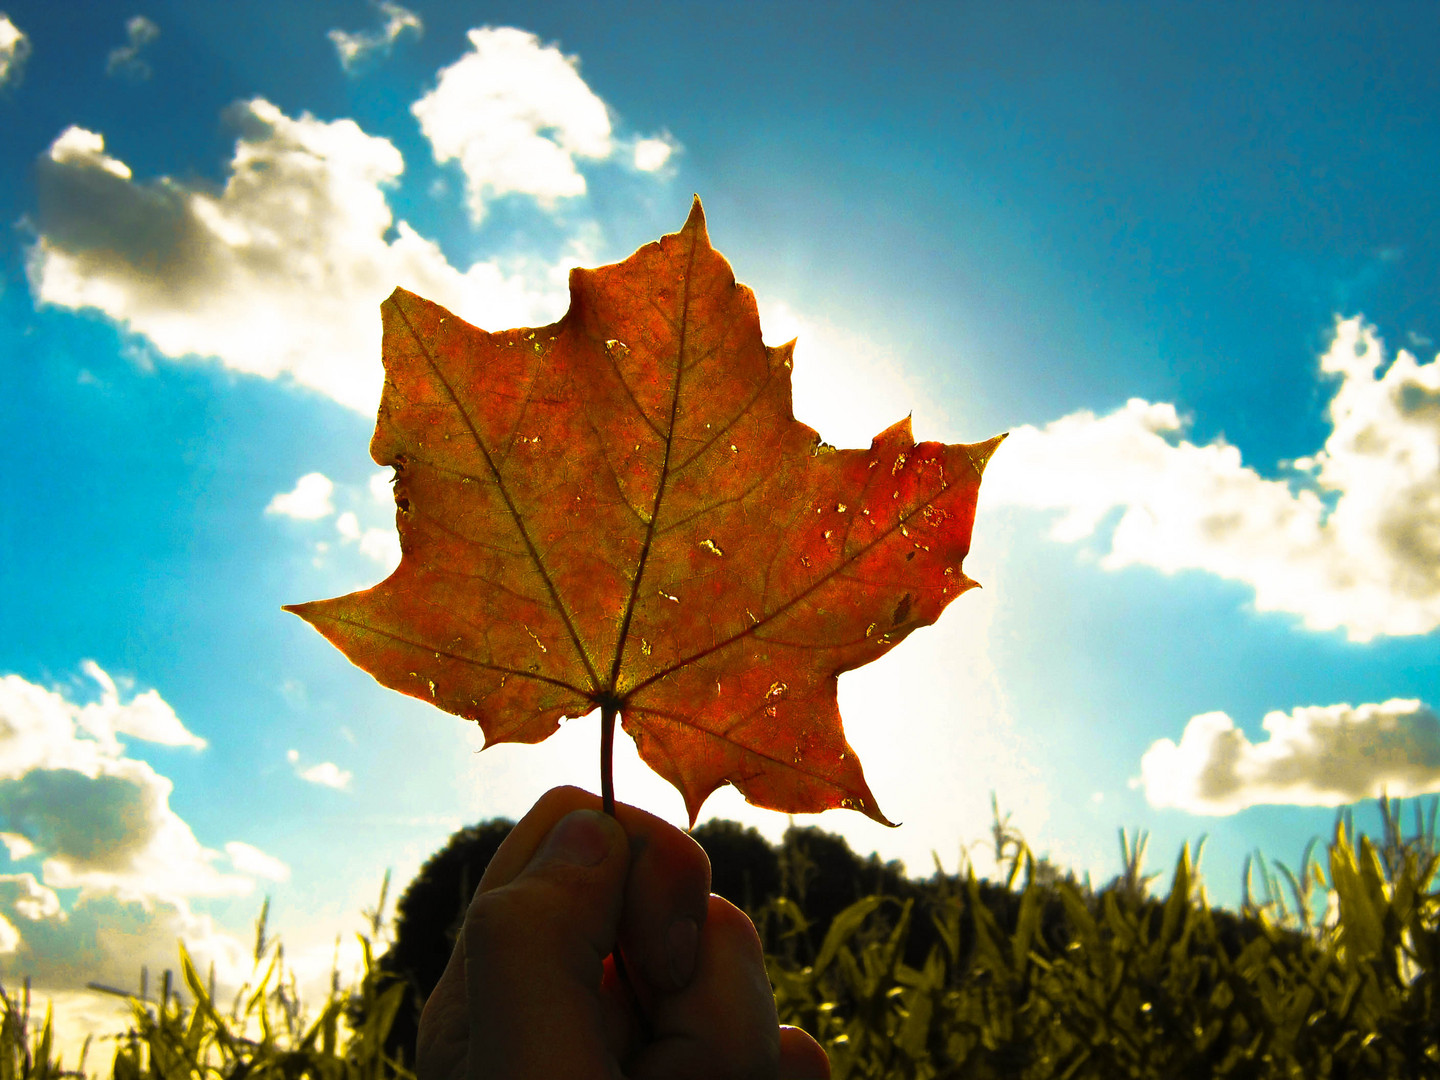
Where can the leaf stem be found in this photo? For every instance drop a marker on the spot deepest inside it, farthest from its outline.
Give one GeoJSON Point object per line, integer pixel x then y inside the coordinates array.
{"type": "Point", "coordinates": [607, 752]}
{"type": "Point", "coordinates": [608, 711]}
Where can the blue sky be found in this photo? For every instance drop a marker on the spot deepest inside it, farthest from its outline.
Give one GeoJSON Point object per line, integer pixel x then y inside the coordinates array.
{"type": "Point", "coordinates": [1186, 255]}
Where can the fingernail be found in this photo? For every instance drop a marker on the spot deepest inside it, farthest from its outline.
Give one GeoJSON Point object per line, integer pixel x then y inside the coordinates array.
{"type": "Point", "coordinates": [581, 838]}
{"type": "Point", "coordinates": [682, 942]}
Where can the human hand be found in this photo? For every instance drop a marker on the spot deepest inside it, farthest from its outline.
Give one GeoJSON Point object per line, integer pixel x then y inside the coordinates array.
{"type": "Point", "coordinates": [531, 991]}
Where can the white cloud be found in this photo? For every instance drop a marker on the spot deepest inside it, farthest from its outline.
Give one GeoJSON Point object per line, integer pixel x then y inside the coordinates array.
{"type": "Point", "coordinates": [1319, 755]}
{"type": "Point", "coordinates": [14, 49]}
{"type": "Point", "coordinates": [81, 148]}
{"type": "Point", "coordinates": [107, 938]}
{"type": "Point", "coordinates": [40, 729]}
{"type": "Point", "coordinates": [1369, 564]}
{"type": "Point", "coordinates": [17, 846]}
{"type": "Point", "coordinates": [146, 716]}
{"type": "Point", "coordinates": [516, 115]}
{"type": "Point", "coordinates": [308, 501]}
{"type": "Point", "coordinates": [101, 821]}
{"type": "Point", "coordinates": [326, 774]}
{"type": "Point", "coordinates": [251, 860]}
{"type": "Point", "coordinates": [125, 59]}
{"type": "Point", "coordinates": [382, 545]}
{"type": "Point", "coordinates": [518, 118]}
{"type": "Point", "coordinates": [358, 47]}
{"type": "Point", "coordinates": [279, 274]}
{"type": "Point", "coordinates": [133, 929]}
{"type": "Point", "coordinates": [311, 500]}
{"type": "Point", "coordinates": [382, 486]}
{"type": "Point", "coordinates": [652, 154]}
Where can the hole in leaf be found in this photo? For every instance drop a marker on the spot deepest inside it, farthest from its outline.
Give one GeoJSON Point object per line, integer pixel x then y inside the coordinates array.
{"type": "Point", "coordinates": [902, 609]}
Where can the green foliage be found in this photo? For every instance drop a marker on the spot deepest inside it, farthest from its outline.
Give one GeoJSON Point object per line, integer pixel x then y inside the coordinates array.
{"type": "Point", "coordinates": [1134, 987]}
{"type": "Point", "coordinates": [1036, 978]}
{"type": "Point", "coordinates": [266, 1033]}
{"type": "Point", "coordinates": [19, 1058]}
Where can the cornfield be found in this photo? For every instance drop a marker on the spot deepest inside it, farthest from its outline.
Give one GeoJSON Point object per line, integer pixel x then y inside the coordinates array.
{"type": "Point", "coordinates": [1050, 981]}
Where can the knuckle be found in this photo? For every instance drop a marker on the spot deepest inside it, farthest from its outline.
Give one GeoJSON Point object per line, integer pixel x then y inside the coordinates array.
{"type": "Point", "coordinates": [535, 919]}
{"type": "Point", "coordinates": [492, 919]}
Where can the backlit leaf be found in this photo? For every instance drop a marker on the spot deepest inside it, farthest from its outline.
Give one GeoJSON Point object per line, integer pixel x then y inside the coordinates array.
{"type": "Point", "coordinates": [620, 510]}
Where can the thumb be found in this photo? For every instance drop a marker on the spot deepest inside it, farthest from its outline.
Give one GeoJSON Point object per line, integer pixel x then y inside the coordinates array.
{"type": "Point", "coordinates": [535, 949]}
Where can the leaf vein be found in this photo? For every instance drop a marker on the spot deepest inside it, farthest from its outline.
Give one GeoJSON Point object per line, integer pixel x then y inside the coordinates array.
{"type": "Point", "coordinates": [472, 661]}
{"type": "Point", "coordinates": [505, 494]}
{"type": "Point", "coordinates": [771, 616]}
{"type": "Point", "coordinates": [664, 477]}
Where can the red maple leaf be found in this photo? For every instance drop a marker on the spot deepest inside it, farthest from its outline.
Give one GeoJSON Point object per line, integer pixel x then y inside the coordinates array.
{"type": "Point", "coordinates": [620, 511]}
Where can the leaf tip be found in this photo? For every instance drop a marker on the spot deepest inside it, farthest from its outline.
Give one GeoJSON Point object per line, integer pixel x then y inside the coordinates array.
{"type": "Point", "coordinates": [872, 811]}
{"type": "Point", "coordinates": [981, 453]}
{"type": "Point", "coordinates": [304, 611]}
{"type": "Point", "coordinates": [865, 804]}
{"type": "Point", "coordinates": [695, 222]}
{"type": "Point", "coordinates": [692, 808]}
{"type": "Point", "coordinates": [899, 435]}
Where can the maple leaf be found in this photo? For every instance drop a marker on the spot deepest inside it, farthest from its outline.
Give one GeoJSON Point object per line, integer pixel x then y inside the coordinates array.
{"type": "Point", "coordinates": [620, 511]}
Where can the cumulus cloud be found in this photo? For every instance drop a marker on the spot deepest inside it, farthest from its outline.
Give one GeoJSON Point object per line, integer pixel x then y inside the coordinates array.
{"type": "Point", "coordinates": [1318, 755]}
{"type": "Point", "coordinates": [248, 859]}
{"type": "Point", "coordinates": [1352, 543]}
{"type": "Point", "coordinates": [106, 938]}
{"type": "Point", "coordinates": [125, 59]}
{"type": "Point", "coordinates": [145, 716]}
{"type": "Point", "coordinates": [382, 488]}
{"type": "Point", "coordinates": [98, 818]}
{"type": "Point", "coordinates": [280, 273]}
{"type": "Point", "coordinates": [326, 774]}
{"type": "Point", "coordinates": [100, 821]}
{"type": "Point", "coordinates": [380, 544]}
{"type": "Point", "coordinates": [309, 500]}
{"type": "Point", "coordinates": [652, 154]}
{"type": "Point", "coordinates": [358, 47]}
{"type": "Point", "coordinates": [14, 49]}
{"type": "Point", "coordinates": [516, 115]}
{"type": "Point", "coordinates": [519, 118]}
